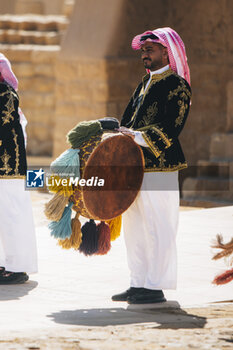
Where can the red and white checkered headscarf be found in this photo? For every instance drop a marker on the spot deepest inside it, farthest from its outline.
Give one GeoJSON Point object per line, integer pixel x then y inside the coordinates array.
{"type": "Point", "coordinates": [9, 77]}
{"type": "Point", "coordinates": [175, 46]}
{"type": "Point", "coordinates": [7, 73]}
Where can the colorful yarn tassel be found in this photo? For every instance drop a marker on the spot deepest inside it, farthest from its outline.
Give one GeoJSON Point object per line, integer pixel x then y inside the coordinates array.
{"type": "Point", "coordinates": [67, 164]}
{"type": "Point", "coordinates": [83, 131]}
{"type": "Point", "coordinates": [56, 206]}
{"type": "Point", "coordinates": [89, 245]}
{"type": "Point", "coordinates": [62, 228]}
{"type": "Point", "coordinates": [115, 227]}
{"type": "Point", "coordinates": [57, 184]}
{"type": "Point", "coordinates": [104, 241]}
{"type": "Point", "coordinates": [76, 237]}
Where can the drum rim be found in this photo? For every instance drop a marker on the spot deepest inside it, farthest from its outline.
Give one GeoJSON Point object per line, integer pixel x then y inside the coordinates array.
{"type": "Point", "coordinates": [142, 164]}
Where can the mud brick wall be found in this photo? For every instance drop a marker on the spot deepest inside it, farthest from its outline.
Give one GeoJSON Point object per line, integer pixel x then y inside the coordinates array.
{"type": "Point", "coordinates": [35, 70]}
{"type": "Point", "coordinates": [101, 71]}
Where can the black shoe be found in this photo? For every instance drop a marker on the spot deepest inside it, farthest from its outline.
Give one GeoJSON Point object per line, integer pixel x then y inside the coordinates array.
{"type": "Point", "coordinates": [123, 296]}
{"type": "Point", "coordinates": [147, 296]}
{"type": "Point", "coordinates": [13, 277]}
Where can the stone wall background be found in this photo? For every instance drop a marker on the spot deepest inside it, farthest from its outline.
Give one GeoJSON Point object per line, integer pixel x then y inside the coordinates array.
{"type": "Point", "coordinates": [45, 7]}
{"type": "Point", "coordinates": [35, 70]}
{"type": "Point", "coordinates": [32, 42]}
{"type": "Point", "coordinates": [94, 72]}
{"type": "Point", "coordinates": [102, 70]}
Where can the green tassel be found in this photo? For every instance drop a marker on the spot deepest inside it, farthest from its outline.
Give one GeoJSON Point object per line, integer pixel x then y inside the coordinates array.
{"type": "Point", "coordinates": [83, 131]}
{"type": "Point", "coordinates": [62, 228]}
{"type": "Point", "coordinates": [67, 164]}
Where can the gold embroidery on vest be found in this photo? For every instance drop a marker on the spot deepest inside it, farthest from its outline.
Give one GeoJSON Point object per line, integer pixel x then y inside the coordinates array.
{"type": "Point", "coordinates": [175, 167]}
{"type": "Point", "coordinates": [150, 114]}
{"type": "Point", "coordinates": [154, 79]}
{"type": "Point", "coordinates": [16, 152]}
{"type": "Point", "coordinates": [157, 77]}
{"type": "Point", "coordinates": [9, 106]}
{"type": "Point", "coordinates": [162, 160]}
{"type": "Point", "coordinates": [12, 177]}
{"type": "Point", "coordinates": [5, 159]}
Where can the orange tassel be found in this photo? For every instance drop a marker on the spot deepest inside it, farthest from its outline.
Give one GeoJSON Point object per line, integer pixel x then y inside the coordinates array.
{"type": "Point", "coordinates": [115, 227]}
{"type": "Point", "coordinates": [104, 241]}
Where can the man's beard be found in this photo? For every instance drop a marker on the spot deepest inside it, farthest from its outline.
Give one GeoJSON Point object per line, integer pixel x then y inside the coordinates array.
{"type": "Point", "coordinates": [147, 63]}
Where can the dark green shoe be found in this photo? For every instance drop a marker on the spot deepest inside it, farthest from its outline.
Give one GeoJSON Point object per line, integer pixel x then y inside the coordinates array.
{"type": "Point", "coordinates": [147, 296]}
{"type": "Point", "coordinates": [13, 277]}
{"type": "Point", "coordinates": [123, 296]}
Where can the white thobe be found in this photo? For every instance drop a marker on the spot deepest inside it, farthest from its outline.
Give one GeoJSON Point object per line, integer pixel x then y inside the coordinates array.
{"type": "Point", "coordinates": [18, 251]}
{"type": "Point", "coordinates": [150, 228]}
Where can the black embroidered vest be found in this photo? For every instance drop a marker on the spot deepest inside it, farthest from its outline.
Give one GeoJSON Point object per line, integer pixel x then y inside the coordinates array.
{"type": "Point", "coordinates": [12, 148]}
{"type": "Point", "coordinates": [160, 113]}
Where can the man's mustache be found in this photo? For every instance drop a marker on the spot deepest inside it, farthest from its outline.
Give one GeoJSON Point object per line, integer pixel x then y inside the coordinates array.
{"type": "Point", "coordinates": [146, 59]}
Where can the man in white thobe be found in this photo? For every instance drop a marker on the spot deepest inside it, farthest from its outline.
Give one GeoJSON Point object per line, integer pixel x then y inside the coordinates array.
{"type": "Point", "coordinates": [18, 253]}
{"type": "Point", "coordinates": [154, 118]}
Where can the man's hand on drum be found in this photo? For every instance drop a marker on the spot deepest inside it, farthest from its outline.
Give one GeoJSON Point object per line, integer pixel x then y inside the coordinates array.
{"type": "Point", "coordinates": [127, 132]}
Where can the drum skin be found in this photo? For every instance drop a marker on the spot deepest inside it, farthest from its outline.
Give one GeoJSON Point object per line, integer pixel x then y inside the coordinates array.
{"type": "Point", "coordinates": [119, 161]}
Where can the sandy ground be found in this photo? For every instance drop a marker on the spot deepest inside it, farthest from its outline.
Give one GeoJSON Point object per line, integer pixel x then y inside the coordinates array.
{"type": "Point", "coordinates": [199, 328]}
{"type": "Point", "coordinates": [114, 326]}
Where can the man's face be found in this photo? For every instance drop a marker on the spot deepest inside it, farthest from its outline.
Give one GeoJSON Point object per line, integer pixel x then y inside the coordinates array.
{"type": "Point", "coordinates": [154, 56]}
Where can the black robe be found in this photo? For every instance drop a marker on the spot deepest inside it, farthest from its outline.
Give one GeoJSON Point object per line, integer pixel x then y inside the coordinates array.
{"type": "Point", "coordinates": [160, 113]}
{"type": "Point", "coordinates": [12, 147]}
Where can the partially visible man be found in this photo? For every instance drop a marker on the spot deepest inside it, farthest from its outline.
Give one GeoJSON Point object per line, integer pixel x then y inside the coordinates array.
{"type": "Point", "coordinates": [155, 117]}
{"type": "Point", "coordinates": [18, 254]}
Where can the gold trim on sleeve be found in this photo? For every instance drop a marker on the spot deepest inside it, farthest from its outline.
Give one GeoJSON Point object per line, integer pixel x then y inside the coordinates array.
{"type": "Point", "coordinates": [163, 136]}
{"type": "Point", "coordinates": [155, 150]}
{"type": "Point", "coordinates": [182, 109]}
{"type": "Point", "coordinates": [183, 92]}
{"type": "Point", "coordinates": [181, 88]}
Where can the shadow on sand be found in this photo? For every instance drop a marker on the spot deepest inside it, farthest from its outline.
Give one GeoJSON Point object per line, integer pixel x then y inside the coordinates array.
{"type": "Point", "coordinates": [16, 291]}
{"type": "Point", "coordinates": [163, 316]}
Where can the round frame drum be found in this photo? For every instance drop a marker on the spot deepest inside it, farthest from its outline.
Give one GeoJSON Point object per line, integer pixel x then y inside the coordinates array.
{"type": "Point", "coordinates": [113, 174]}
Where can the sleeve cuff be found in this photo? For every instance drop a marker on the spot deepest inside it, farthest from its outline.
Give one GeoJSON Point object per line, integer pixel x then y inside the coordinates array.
{"type": "Point", "coordinates": [139, 139]}
{"type": "Point", "coordinates": [154, 149]}
{"type": "Point", "coordinates": [167, 142]}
